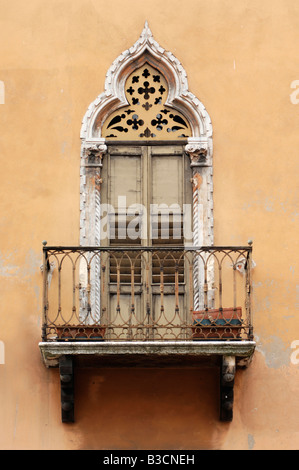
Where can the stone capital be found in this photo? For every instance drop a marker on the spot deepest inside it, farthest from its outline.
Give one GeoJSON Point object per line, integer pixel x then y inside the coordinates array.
{"type": "Point", "coordinates": [95, 151]}
{"type": "Point", "coordinates": [197, 153]}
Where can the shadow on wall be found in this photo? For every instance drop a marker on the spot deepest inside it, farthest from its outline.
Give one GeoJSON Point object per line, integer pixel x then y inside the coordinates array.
{"type": "Point", "coordinates": [148, 409]}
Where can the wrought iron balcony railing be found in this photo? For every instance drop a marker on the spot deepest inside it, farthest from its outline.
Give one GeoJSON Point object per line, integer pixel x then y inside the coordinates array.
{"type": "Point", "coordinates": [146, 294]}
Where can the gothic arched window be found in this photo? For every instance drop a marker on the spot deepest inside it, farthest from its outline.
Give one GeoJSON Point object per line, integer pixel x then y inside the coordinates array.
{"type": "Point", "coordinates": [146, 147]}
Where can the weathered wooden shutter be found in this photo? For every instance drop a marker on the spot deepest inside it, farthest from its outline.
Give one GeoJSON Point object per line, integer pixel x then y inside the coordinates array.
{"type": "Point", "coordinates": [156, 179]}
{"type": "Point", "coordinates": [167, 185]}
{"type": "Point", "coordinates": [125, 188]}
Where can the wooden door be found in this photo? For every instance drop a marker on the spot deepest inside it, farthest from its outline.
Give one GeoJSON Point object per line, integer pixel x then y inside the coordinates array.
{"type": "Point", "coordinates": [145, 188]}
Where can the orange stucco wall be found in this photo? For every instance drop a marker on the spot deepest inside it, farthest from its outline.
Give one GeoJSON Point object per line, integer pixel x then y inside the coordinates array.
{"type": "Point", "coordinates": [241, 59]}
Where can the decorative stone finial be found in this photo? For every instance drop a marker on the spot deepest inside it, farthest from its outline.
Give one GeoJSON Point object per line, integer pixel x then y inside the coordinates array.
{"type": "Point", "coordinates": [146, 33]}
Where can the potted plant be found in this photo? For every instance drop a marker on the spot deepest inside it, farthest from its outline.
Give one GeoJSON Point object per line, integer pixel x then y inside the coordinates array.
{"type": "Point", "coordinates": [221, 323]}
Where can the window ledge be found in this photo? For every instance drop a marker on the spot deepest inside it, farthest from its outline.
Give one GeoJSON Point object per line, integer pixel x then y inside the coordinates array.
{"type": "Point", "coordinates": [149, 353]}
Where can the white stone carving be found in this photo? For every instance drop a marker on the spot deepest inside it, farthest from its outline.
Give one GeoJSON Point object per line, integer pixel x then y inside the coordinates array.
{"type": "Point", "coordinates": [197, 153]}
{"type": "Point", "coordinates": [98, 150]}
{"type": "Point", "coordinates": [50, 272]}
{"type": "Point", "coordinates": [146, 49]}
{"type": "Point", "coordinates": [199, 148]}
{"type": "Point", "coordinates": [241, 265]}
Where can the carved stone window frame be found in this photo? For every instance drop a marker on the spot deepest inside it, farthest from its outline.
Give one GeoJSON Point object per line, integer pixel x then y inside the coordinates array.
{"type": "Point", "coordinates": [199, 147]}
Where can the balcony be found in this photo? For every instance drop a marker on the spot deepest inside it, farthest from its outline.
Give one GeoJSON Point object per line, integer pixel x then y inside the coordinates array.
{"type": "Point", "coordinates": [146, 306]}
{"type": "Point", "coordinates": [103, 301]}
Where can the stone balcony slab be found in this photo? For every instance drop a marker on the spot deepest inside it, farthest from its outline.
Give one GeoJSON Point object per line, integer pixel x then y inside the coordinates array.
{"type": "Point", "coordinates": [147, 353]}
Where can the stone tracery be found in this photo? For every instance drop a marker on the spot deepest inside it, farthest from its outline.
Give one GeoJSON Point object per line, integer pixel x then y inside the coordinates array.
{"type": "Point", "coordinates": [146, 115]}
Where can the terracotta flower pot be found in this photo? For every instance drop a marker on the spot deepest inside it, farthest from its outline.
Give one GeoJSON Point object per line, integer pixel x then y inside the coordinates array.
{"type": "Point", "coordinates": [217, 323]}
{"type": "Point", "coordinates": [80, 333]}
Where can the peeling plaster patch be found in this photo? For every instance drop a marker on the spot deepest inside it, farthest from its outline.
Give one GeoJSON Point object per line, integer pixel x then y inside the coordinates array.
{"type": "Point", "coordinates": [27, 270]}
{"type": "Point", "coordinates": [294, 216]}
{"type": "Point", "coordinates": [269, 205]}
{"type": "Point", "coordinates": [32, 263]}
{"type": "Point", "coordinates": [265, 302]}
{"type": "Point", "coordinates": [263, 293]}
{"type": "Point", "coordinates": [251, 442]}
{"type": "Point", "coordinates": [7, 269]}
{"type": "Point", "coordinates": [37, 299]}
{"type": "Point", "coordinates": [63, 147]}
{"type": "Point", "coordinates": [286, 204]}
{"type": "Point", "coordinates": [275, 353]}
{"type": "Point", "coordinates": [258, 200]}
{"type": "Point", "coordinates": [261, 303]}
{"type": "Point", "coordinates": [292, 269]}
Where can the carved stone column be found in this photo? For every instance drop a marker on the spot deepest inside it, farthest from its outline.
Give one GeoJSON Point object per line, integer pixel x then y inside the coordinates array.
{"type": "Point", "coordinates": [91, 180]}
{"type": "Point", "coordinates": [197, 152]}
{"type": "Point", "coordinates": [94, 154]}
{"type": "Point", "coordinates": [197, 239]}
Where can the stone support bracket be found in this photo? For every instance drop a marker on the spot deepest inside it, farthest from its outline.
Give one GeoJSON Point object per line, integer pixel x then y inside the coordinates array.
{"type": "Point", "coordinates": [227, 380]}
{"type": "Point", "coordinates": [66, 370]}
